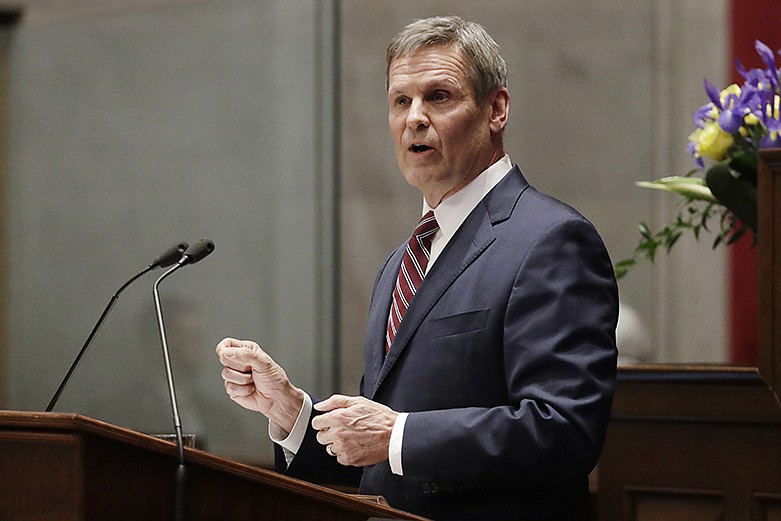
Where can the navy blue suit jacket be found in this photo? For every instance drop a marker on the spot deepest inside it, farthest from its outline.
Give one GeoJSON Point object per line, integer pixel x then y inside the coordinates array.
{"type": "Point", "coordinates": [505, 361]}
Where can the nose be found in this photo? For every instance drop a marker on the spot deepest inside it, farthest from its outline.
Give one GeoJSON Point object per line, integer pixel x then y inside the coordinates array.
{"type": "Point", "coordinates": [417, 118]}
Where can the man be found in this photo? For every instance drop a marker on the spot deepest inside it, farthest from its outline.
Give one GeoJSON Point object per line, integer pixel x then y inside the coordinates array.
{"type": "Point", "coordinates": [490, 356]}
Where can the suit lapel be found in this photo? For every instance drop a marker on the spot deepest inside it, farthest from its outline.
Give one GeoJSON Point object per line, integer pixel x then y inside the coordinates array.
{"type": "Point", "coordinates": [377, 323]}
{"type": "Point", "coordinates": [472, 239]}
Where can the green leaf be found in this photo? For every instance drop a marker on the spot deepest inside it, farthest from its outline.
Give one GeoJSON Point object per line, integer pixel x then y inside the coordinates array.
{"type": "Point", "coordinates": [672, 240]}
{"type": "Point", "coordinates": [693, 188]}
{"type": "Point", "coordinates": [734, 192]}
{"type": "Point", "coordinates": [745, 163]}
{"type": "Point", "coordinates": [645, 231]}
{"type": "Point", "coordinates": [621, 268]}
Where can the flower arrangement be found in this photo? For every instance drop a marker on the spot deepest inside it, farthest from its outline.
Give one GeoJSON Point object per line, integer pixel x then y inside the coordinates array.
{"type": "Point", "coordinates": [730, 129]}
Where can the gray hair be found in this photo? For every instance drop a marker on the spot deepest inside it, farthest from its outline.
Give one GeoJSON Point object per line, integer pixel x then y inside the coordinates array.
{"type": "Point", "coordinates": [487, 68]}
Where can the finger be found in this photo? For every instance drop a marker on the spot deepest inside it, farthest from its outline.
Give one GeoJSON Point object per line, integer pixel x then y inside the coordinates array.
{"type": "Point", "coordinates": [329, 420]}
{"type": "Point", "coordinates": [238, 391]}
{"type": "Point", "coordinates": [236, 377]}
{"type": "Point", "coordinates": [321, 422]}
{"type": "Point", "coordinates": [324, 438]}
{"type": "Point", "coordinates": [230, 343]}
{"type": "Point", "coordinates": [245, 359]}
{"type": "Point", "coordinates": [229, 358]}
{"type": "Point", "coordinates": [337, 401]}
{"type": "Point", "coordinates": [227, 345]}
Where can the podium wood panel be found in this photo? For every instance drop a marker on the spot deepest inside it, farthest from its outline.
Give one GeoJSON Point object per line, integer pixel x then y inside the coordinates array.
{"type": "Point", "coordinates": [67, 467]}
{"type": "Point", "coordinates": [704, 442]}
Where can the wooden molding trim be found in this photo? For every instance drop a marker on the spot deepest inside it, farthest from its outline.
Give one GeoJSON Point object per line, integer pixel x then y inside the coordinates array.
{"type": "Point", "coordinates": [769, 293]}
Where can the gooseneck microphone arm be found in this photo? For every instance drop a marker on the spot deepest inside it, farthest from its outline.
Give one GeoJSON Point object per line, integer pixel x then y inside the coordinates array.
{"type": "Point", "coordinates": [165, 259]}
{"type": "Point", "coordinates": [193, 254]}
{"type": "Point", "coordinates": [168, 372]}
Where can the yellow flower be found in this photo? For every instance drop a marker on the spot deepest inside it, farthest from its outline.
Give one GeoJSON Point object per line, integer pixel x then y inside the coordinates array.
{"type": "Point", "coordinates": [774, 113]}
{"type": "Point", "coordinates": [732, 89]}
{"type": "Point", "coordinates": [711, 141]}
{"type": "Point", "coordinates": [750, 119]}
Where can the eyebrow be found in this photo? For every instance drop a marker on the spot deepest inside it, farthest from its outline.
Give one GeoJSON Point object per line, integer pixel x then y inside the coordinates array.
{"type": "Point", "coordinates": [446, 83]}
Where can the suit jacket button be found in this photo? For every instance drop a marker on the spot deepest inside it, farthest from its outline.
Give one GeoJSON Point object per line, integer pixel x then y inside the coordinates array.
{"type": "Point", "coordinates": [434, 487]}
{"type": "Point", "coordinates": [426, 488]}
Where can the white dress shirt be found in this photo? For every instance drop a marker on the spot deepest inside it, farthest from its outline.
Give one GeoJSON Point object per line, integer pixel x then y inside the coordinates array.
{"type": "Point", "coordinates": [450, 214]}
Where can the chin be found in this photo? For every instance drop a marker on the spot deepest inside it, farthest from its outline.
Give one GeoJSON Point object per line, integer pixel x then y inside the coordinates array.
{"type": "Point", "coordinates": [418, 177]}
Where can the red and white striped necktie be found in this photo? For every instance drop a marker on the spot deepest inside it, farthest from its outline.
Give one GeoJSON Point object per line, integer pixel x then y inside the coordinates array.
{"type": "Point", "coordinates": [411, 273]}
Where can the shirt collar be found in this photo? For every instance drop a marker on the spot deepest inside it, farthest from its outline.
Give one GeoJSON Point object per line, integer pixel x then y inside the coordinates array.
{"type": "Point", "coordinates": [453, 211]}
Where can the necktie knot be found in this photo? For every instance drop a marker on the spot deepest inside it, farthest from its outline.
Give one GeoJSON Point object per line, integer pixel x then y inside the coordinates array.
{"type": "Point", "coordinates": [411, 272]}
{"type": "Point", "coordinates": [427, 226]}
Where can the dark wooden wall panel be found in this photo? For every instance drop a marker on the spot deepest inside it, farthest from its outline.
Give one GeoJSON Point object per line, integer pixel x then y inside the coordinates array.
{"type": "Point", "coordinates": [51, 486]}
{"type": "Point", "coordinates": [648, 504]}
{"type": "Point", "coordinates": [767, 507]}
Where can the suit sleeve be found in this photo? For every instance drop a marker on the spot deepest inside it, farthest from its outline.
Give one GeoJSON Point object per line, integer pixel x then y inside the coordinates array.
{"type": "Point", "coordinates": [559, 360]}
{"type": "Point", "coordinates": [313, 463]}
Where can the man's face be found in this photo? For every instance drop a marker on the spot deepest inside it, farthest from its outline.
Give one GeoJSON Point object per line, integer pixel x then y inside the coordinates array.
{"type": "Point", "coordinates": [443, 138]}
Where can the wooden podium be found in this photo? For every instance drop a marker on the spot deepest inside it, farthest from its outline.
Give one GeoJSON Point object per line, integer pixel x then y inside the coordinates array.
{"type": "Point", "coordinates": [704, 442]}
{"type": "Point", "coordinates": [67, 467]}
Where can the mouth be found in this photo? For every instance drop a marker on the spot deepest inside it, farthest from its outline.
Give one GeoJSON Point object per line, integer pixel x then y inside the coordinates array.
{"type": "Point", "coordinates": [419, 148]}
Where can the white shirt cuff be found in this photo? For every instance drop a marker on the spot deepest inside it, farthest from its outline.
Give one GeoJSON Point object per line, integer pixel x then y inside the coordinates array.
{"type": "Point", "coordinates": [394, 451]}
{"type": "Point", "coordinates": [291, 442]}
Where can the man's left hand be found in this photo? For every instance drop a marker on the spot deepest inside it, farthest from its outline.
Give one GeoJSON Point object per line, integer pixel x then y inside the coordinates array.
{"type": "Point", "coordinates": [358, 430]}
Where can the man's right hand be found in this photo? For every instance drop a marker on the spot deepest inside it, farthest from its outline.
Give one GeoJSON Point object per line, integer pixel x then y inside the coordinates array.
{"type": "Point", "coordinates": [256, 382]}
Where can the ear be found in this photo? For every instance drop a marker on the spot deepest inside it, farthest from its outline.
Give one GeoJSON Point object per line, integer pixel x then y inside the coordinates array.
{"type": "Point", "coordinates": [499, 101]}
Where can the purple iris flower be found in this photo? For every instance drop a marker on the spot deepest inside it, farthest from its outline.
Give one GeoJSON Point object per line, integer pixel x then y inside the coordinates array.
{"type": "Point", "coordinates": [757, 79]}
{"type": "Point", "coordinates": [730, 120]}
{"type": "Point", "coordinates": [734, 109]}
{"type": "Point", "coordinates": [697, 157]}
{"type": "Point", "coordinates": [773, 137]}
{"type": "Point", "coordinates": [702, 116]}
{"type": "Point", "coordinates": [770, 62]}
{"type": "Point", "coordinates": [713, 94]}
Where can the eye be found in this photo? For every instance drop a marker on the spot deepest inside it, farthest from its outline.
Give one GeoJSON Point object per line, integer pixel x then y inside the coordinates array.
{"type": "Point", "coordinates": [439, 95]}
{"type": "Point", "coordinates": [401, 101]}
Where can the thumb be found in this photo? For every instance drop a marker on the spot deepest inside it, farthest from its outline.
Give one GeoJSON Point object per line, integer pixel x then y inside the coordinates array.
{"type": "Point", "coordinates": [337, 401]}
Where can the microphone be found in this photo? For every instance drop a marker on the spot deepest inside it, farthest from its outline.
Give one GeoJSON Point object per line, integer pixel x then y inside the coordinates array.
{"type": "Point", "coordinates": [169, 256]}
{"type": "Point", "coordinates": [196, 252]}
{"type": "Point", "coordinates": [193, 254]}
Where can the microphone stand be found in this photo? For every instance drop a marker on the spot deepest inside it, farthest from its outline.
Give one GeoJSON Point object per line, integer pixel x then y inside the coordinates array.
{"type": "Point", "coordinates": [166, 258]}
{"type": "Point", "coordinates": [181, 474]}
{"type": "Point", "coordinates": [95, 329]}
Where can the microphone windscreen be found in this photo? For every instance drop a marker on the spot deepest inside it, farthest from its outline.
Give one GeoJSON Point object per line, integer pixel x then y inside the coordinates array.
{"type": "Point", "coordinates": [199, 250]}
{"type": "Point", "coordinates": [170, 255]}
